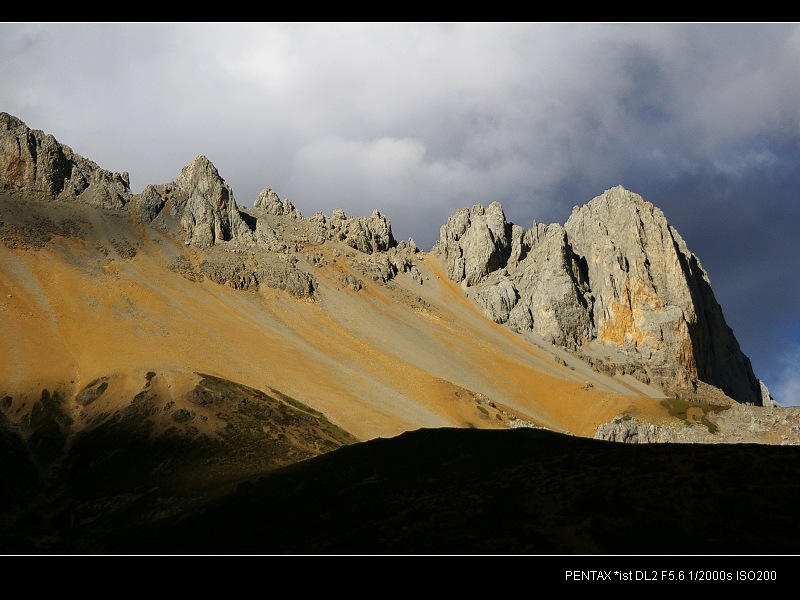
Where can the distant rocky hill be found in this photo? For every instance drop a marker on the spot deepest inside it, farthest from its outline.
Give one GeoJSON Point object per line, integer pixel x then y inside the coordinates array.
{"type": "Point", "coordinates": [223, 342]}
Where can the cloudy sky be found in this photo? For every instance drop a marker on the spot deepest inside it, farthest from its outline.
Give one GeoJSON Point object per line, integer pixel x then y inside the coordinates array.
{"type": "Point", "coordinates": [418, 119]}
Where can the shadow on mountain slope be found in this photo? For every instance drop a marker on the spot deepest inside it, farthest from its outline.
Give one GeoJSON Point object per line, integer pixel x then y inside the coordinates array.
{"type": "Point", "coordinates": [525, 491]}
{"type": "Point", "coordinates": [69, 485]}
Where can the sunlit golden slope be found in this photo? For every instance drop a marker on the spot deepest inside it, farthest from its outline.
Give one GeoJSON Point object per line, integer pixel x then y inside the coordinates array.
{"type": "Point", "coordinates": [101, 301]}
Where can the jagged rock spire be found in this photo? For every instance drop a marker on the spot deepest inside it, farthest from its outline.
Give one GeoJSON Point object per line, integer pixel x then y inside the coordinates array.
{"type": "Point", "coordinates": [210, 213]}
{"type": "Point", "coordinates": [474, 242]}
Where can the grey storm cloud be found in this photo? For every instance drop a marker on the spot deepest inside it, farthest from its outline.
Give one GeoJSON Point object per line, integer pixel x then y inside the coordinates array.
{"type": "Point", "coordinates": [418, 119]}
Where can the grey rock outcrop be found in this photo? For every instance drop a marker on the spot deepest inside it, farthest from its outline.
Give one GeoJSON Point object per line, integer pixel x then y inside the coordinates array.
{"type": "Point", "coordinates": [552, 287]}
{"type": "Point", "coordinates": [201, 201]}
{"type": "Point", "coordinates": [210, 213]}
{"type": "Point", "coordinates": [615, 276]}
{"type": "Point", "coordinates": [149, 204]}
{"type": "Point", "coordinates": [498, 300]}
{"type": "Point", "coordinates": [37, 163]}
{"type": "Point", "coordinates": [384, 266]}
{"type": "Point", "coordinates": [365, 234]}
{"type": "Point", "coordinates": [474, 242]}
{"type": "Point", "coordinates": [729, 424]}
{"type": "Point", "coordinates": [269, 201]}
{"type": "Point", "coordinates": [766, 396]}
{"type": "Point", "coordinates": [251, 271]}
{"type": "Point", "coordinates": [629, 430]}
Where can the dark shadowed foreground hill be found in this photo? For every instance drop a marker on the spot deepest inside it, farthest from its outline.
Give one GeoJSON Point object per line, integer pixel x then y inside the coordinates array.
{"type": "Point", "coordinates": [525, 491]}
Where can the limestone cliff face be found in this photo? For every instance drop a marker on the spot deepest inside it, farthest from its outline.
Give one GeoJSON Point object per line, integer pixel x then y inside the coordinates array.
{"type": "Point", "coordinates": [615, 276]}
{"type": "Point", "coordinates": [35, 162]}
{"type": "Point", "coordinates": [652, 296]}
{"type": "Point", "coordinates": [545, 292]}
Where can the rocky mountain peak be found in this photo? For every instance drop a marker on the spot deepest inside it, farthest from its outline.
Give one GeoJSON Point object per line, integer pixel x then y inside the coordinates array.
{"type": "Point", "coordinates": [652, 297]}
{"type": "Point", "coordinates": [474, 242]}
{"type": "Point", "coordinates": [616, 283]}
{"type": "Point", "coordinates": [37, 163]}
{"type": "Point", "coordinates": [210, 213]}
{"type": "Point", "coordinates": [200, 200]}
{"type": "Point", "coordinates": [200, 169]}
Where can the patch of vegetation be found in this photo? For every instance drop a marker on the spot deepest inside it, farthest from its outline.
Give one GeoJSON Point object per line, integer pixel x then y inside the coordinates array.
{"type": "Point", "coordinates": [38, 233]}
{"type": "Point", "coordinates": [143, 405]}
{"type": "Point", "coordinates": [96, 419]}
{"type": "Point", "coordinates": [679, 407]}
{"type": "Point", "coordinates": [295, 431]}
{"type": "Point", "coordinates": [182, 415]}
{"type": "Point", "coordinates": [46, 427]}
{"type": "Point", "coordinates": [183, 266]}
{"type": "Point", "coordinates": [124, 248]}
{"type": "Point", "coordinates": [92, 391]}
{"type": "Point", "coordinates": [712, 428]}
{"type": "Point", "coordinates": [295, 403]}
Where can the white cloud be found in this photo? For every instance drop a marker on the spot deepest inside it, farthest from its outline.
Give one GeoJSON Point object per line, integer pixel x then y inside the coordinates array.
{"type": "Point", "coordinates": [787, 388]}
{"type": "Point", "coordinates": [363, 175]}
{"type": "Point", "coordinates": [746, 161]}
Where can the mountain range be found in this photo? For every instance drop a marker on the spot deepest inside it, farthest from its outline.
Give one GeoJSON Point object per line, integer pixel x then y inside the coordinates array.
{"type": "Point", "coordinates": [180, 373]}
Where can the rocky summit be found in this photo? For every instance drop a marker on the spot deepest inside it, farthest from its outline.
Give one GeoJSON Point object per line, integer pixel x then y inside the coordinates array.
{"type": "Point", "coordinates": [615, 284]}
{"type": "Point", "coordinates": [162, 349]}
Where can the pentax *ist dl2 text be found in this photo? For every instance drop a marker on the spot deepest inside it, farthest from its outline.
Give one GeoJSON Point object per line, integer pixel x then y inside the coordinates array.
{"type": "Point", "coordinates": [672, 575]}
